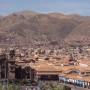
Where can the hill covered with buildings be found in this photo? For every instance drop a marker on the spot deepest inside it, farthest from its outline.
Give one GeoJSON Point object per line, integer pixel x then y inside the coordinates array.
{"type": "Point", "coordinates": [33, 29]}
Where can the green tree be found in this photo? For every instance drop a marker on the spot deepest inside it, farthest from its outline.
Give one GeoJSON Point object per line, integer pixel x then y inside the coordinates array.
{"type": "Point", "coordinates": [0, 86]}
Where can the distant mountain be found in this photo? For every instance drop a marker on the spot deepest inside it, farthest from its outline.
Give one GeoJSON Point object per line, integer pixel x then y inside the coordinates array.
{"type": "Point", "coordinates": [43, 30]}
{"type": "Point", "coordinates": [80, 34]}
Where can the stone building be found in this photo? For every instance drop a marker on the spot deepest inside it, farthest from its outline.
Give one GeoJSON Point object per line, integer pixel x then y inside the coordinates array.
{"type": "Point", "coordinates": [12, 69]}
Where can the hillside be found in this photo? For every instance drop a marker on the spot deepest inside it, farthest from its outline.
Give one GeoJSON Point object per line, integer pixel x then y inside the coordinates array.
{"type": "Point", "coordinates": [35, 29]}
{"type": "Point", "coordinates": [81, 34]}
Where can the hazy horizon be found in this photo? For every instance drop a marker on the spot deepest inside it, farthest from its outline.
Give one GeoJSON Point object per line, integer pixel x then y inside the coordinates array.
{"type": "Point", "coordinates": [80, 7]}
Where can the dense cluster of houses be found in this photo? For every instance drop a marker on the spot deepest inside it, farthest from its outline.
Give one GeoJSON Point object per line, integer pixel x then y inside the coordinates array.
{"type": "Point", "coordinates": [38, 65]}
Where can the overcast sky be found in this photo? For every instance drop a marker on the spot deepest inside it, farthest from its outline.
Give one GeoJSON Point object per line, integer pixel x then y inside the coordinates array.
{"type": "Point", "coordinates": [81, 7]}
